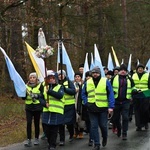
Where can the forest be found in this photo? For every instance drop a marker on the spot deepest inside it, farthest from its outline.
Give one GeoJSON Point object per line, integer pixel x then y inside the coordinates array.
{"type": "Point", "coordinates": [123, 24]}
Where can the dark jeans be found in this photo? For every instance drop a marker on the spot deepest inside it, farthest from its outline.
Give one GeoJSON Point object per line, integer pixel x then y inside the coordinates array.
{"type": "Point", "coordinates": [70, 128]}
{"type": "Point", "coordinates": [51, 134]}
{"type": "Point", "coordinates": [29, 116]}
{"type": "Point", "coordinates": [98, 119]}
{"type": "Point", "coordinates": [121, 110]}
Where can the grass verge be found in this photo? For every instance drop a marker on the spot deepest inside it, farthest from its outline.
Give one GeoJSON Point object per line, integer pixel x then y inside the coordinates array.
{"type": "Point", "coordinates": [12, 120]}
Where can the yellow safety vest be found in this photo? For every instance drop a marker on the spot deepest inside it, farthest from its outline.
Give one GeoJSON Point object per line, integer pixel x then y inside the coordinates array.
{"type": "Point", "coordinates": [97, 95]}
{"type": "Point", "coordinates": [141, 84]}
{"type": "Point", "coordinates": [34, 90]}
{"type": "Point", "coordinates": [69, 99]}
{"type": "Point", "coordinates": [115, 86]}
{"type": "Point", "coordinates": [55, 105]}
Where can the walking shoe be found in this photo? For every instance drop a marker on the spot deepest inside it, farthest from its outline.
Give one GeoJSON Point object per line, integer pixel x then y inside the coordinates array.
{"type": "Point", "coordinates": [90, 142]}
{"type": "Point", "coordinates": [75, 135]}
{"type": "Point", "coordinates": [138, 129]}
{"type": "Point", "coordinates": [36, 141]}
{"type": "Point", "coordinates": [80, 136]}
{"type": "Point", "coordinates": [146, 126]}
{"type": "Point", "coordinates": [96, 147]}
{"type": "Point", "coordinates": [43, 137]}
{"type": "Point", "coordinates": [114, 130]}
{"type": "Point", "coordinates": [70, 139]}
{"type": "Point", "coordinates": [124, 137]}
{"type": "Point", "coordinates": [104, 142]}
{"type": "Point", "coordinates": [28, 143]}
{"type": "Point", "coordinates": [61, 143]}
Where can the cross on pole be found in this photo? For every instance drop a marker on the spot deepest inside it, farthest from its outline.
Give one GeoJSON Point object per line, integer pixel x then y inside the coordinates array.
{"type": "Point", "coordinates": [60, 40]}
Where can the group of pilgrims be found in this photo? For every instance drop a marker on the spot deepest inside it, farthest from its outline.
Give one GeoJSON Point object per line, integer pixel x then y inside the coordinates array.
{"type": "Point", "coordinates": [85, 106]}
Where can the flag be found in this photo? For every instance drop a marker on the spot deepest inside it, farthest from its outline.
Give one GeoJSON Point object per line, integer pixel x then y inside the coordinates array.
{"type": "Point", "coordinates": [110, 65]}
{"type": "Point", "coordinates": [97, 60]}
{"type": "Point", "coordinates": [129, 63]}
{"type": "Point", "coordinates": [92, 62]}
{"type": "Point", "coordinates": [147, 66]}
{"type": "Point", "coordinates": [66, 61]}
{"type": "Point", "coordinates": [115, 57]}
{"type": "Point", "coordinates": [38, 63]}
{"type": "Point", "coordinates": [86, 66]}
{"type": "Point", "coordinates": [138, 62]}
{"type": "Point", "coordinates": [122, 62]}
{"type": "Point", "coordinates": [18, 82]}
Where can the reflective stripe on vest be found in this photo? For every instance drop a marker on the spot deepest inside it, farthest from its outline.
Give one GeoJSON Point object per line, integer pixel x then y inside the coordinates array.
{"type": "Point", "coordinates": [69, 99]}
{"type": "Point", "coordinates": [141, 84]}
{"type": "Point", "coordinates": [55, 105]}
{"type": "Point", "coordinates": [116, 87]}
{"type": "Point", "coordinates": [34, 90]}
{"type": "Point", "coordinates": [97, 95]}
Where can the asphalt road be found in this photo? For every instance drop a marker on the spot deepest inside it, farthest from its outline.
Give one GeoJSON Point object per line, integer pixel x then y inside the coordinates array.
{"type": "Point", "coordinates": [137, 140]}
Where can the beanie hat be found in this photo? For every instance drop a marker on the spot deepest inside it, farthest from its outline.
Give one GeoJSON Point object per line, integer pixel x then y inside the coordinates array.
{"type": "Point", "coordinates": [140, 65]}
{"type": "Point", "coordinates": [78, 73]}
{"type": "Point", "coordinates": [50, 73]}
{"type": "Point", "coordinates": [123, 67]}
{"type": "Point", "coordinates": [33, 74]}
{"type": "Point", "coordinates": [63, 72]}
{"type": "Point", "coordinates": [96, 70]}
{"type": "Point", "coordinates": [116, 68]}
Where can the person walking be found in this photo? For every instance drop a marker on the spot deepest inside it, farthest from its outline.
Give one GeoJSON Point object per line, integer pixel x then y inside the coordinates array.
{"type": "Point", "coordinates": [141, 105]}
{"type": "Point", "coordinates": [53, 108]}
{"type": "Point", "coordinates": [123, 86]}
{"type": "Point", "coordinates": [80, 124]}
{"type": "Point", "coordinates": [33, 109]}
{"type": "Point", "coordinates": [98, 96]}
{"type": "Point", "coordinates": [69, 107]}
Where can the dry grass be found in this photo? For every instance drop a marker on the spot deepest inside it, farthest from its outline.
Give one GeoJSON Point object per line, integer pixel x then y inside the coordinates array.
{"type": "Point", "coordinates": [12, 120]}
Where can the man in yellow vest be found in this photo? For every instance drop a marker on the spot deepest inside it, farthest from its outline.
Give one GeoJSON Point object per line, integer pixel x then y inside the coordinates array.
{"type": "Point", "coordinates": [98, 96]}
{"type": "Point", "coordinates": [53, 108]}
{"type": "Point", "coordinates": [123, 86]}
{"type": "Point", "coordinates": [141, 105]}
{"type": "Point", "coordinates": [33, 108]}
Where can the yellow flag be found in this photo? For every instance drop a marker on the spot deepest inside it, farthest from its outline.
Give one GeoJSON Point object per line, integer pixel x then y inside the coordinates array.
{"type": "Point", "coordinates": [38, 63]}
{"type": "Point", "coordinates": [115, 57]}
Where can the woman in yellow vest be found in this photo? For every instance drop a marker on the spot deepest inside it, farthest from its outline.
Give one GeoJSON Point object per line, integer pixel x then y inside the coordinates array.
{"type": "Point", "coordinates": [53, 110]}
{"type": "Point", "coordinates": [141, 105]}
{"type": "Point", "coordinates": [69, 108]}
{"type": "Point", "coordinates": [33, 108]}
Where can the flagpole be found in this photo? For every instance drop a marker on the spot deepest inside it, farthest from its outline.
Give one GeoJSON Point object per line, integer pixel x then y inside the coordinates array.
{"type": "Point", "coordinates": [60, 50]}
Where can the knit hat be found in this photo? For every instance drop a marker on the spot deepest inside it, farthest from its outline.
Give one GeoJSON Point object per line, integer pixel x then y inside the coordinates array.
{"type": "Point", "coordinates": [50, 73]}
{"type": "Point", "coordinates": [96, 70]}
{"type": "Point", "coordinates": [123, 67]}
{"type": "Point", "coordinates": [140, 65]}
{"type": "Point", "coordinates": [33, 74]}
{"type": "Point", "coordinates": [78, 73]}
{"type": "Point", "coordinates": [116, 68]}
{"type": "Point", "coordinates": [63, 72]}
